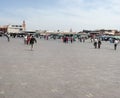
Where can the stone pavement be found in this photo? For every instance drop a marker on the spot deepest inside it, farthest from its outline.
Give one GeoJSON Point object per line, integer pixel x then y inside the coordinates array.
{"type": "Point", "coordinates": [57, 70]}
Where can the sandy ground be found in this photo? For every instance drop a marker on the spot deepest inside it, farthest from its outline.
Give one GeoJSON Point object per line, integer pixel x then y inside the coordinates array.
{"type": "Point", "coordinates": [57, 70]}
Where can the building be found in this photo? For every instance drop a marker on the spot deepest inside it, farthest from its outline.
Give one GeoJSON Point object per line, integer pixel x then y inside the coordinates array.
{"type": "Point", "coordinates": [3, 29]}
{"type": "Point", "coordinates": [24, 26]}
{"type": "Point", "coordinates": [16, 28]}
{"type": "Point", "coordinates": [13, 28]}
{"type": "Point", "coordinates": [110, 32]}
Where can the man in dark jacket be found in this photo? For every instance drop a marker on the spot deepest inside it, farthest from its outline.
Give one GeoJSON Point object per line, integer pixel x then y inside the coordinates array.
{"type": "Point", "coordinates": [32, 40]}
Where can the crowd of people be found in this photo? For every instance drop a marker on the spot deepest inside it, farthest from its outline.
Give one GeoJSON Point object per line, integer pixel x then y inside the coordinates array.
{"type": "Point", "coordinates": [97, 42]}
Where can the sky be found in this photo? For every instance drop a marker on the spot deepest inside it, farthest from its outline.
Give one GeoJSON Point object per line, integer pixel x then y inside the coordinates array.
{"type": "Point", "coordinates": [62, 15]}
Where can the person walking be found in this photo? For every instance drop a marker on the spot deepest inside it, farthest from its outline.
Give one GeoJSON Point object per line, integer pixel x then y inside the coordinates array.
{"type": "Point", "coordinates": [28, 39]}
{"type": "Point", "coordinates": [32, 40]}
{"type": "Point", "coordinates": [99, 43]}
{"type": "Point", "coordinates": [8, 36]}
{"type": "Point", "coordinates": [71, 39]}
{"type": "Point", "coordinates": [115, 44]}
{"type": "Point", "coordinates": [95, 43]}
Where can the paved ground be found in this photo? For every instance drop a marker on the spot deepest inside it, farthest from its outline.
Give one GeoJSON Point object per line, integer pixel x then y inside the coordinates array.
{"type": "Point", "coordinates": [57, 70]}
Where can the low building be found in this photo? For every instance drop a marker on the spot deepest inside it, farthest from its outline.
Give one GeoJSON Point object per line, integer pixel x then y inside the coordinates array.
{"type": "Point", "coordinates": [15, 29]}
{"type": "Point", "coordinates": [110, 32]}
{"type": "Point", "coordinates": [3, 29]}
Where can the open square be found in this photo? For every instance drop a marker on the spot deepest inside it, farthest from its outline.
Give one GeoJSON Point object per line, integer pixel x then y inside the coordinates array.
{"type": "Point", "coordinates": [58, 70]}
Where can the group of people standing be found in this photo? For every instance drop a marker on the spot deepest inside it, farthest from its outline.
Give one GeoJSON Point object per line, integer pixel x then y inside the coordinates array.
{"type": "Point", "coordinates": [66, 39]}
{"type": "Point", "coordinates": [30, 39]}
{"type": "Point", "coordinates": [97, 43]}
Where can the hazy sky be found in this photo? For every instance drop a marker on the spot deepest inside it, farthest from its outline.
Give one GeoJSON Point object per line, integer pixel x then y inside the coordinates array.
{"type": "Point", "coordinates": [61, 14]}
